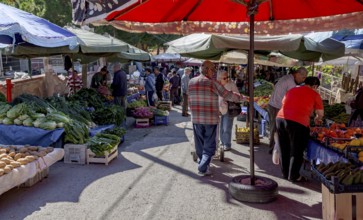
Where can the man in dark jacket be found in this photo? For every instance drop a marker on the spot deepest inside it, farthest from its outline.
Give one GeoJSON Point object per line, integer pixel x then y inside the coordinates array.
{"type": "Point", "coordinates": [119, 85]}
{"type": "Point", "coordinates": [159, 83]}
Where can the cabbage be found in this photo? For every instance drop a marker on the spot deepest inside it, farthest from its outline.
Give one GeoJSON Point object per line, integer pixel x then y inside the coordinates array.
{"type": "Point", "coordinates": [28, 122]}
{"type": "Point", "coordinates": [48, 125]}
{"type": "Point", "coordinates": [60, 125]}
{"type": "Point", "coordinates": [38, 121]}
{"type": "Point", "coordinates": [8, 121]}
{"type": "Point", "coordinates": [23, 117]}
{"type": "Point", "coordinates": [17, 121]}
{"type": "Point", "coordinates": [17, 110]}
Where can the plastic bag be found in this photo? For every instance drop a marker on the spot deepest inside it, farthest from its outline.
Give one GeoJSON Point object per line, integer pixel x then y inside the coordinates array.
{"type": "Point", "coordinates": [276, 151]}
{"type": "Point", "coordinates": [155, 96]}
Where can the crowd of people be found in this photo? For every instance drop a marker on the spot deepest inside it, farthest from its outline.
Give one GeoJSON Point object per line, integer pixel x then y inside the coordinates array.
{"type": "Point", "coordinates": [207, 93]}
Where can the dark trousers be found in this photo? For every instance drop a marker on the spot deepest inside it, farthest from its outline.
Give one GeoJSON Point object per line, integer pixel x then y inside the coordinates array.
{"type": "Point", "coordinates": [205, 144]}
{"type": "Point", "coordinates": [185, 104]}
{"type": "Point", "coordinates": [159, 93]}
{"type": "Point", "coordinates": [149, 98]}
{"type": "Point", "coordinates": [293, 138]}
{"type": "Point", "coordinates": [354, 117]}
{"type": "Point", "coordinates": [174, 95]}
{"type": "Point", "coordinates": [272, 112]}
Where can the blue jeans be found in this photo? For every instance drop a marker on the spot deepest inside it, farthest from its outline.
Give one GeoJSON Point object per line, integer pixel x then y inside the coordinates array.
{"type": "Point", "coordinates": [225, 133]}
{"type": "Point", "coordinates": [205, 144]}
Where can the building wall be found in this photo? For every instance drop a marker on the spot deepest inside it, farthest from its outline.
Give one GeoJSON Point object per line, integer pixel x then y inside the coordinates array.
{"type": "Point", "coordinates": [42, 86]}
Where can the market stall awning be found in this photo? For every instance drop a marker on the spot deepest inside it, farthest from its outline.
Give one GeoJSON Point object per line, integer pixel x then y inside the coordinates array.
{"type": "Point", "coordinates": [92, 46]}
{"type": "Point", "coordinates": [19, 27]}
{"type": "Point", "coordinates": [168, 57]}
{"type": "Point", "coordinates": [212, 46]}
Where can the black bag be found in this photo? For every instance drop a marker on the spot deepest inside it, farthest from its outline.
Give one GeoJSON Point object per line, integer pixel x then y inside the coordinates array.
{"type": "Point", "coordinates": [234, 109]}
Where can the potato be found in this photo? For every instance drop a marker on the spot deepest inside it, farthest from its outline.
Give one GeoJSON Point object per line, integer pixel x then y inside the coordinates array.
{"type": "Point", "coordinates": [6, 160]}
{"type": "Point", "coordinates": [12, 154]}
{"type": "Point", "coordinates": [30, 158]}
{"type": "Point", "coordinates": [23, 150]}
{"type": "Point", "coordinates": [18, 155]}
{"type": "Point", "coordinates": [22, 161]}
{"type": "Point", "coordinates": [2, 164]}
{"type": "Point", "coordinates": [7, 169]}
{"type": "Point", "coordinates": [33, 148]}
{"type": "Point", "coordinates": [2, 172]}
{"type": "Point", "coordinates": [50, 149]}
{"type": "Point", "coordinates": [2, 150]}
{"type": "Point", "coordinates": [42, 153]}
{"type": "Point", "coordinates": [10, 166]}
{"type": "Point", "coordinates": [3, 155]}
{"type": "Point", "coordinates": [27, 153]}
{"type": "Point", "coordinates": [15, 164]}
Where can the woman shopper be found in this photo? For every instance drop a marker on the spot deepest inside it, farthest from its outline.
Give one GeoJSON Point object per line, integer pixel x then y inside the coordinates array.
{"type": "Point", "coordinates": [226, 123]}
{"type": "Point", "coordinates": [292, 123]}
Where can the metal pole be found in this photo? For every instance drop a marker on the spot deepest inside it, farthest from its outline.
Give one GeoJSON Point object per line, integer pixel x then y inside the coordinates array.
{"type": "Point", "coordinates": [250, 88]}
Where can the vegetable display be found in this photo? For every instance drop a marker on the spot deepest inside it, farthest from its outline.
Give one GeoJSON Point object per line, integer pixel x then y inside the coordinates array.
{"type": "Point", "coordinates": [143, 112]}
{"type": "Point", "coordinates": [102, 142]}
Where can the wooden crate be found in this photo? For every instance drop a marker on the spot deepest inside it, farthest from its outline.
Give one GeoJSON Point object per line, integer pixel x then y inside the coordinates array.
{"type": "Point", "coordinates": [341, 206]}
{"type": "Point", "coordinates": [142, 123]}
{"type": "Point", "coordinates": [92, 158]}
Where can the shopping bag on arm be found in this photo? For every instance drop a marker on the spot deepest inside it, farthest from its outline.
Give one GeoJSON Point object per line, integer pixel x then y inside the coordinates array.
{"type": "Point", "coordinates": [234, 109]}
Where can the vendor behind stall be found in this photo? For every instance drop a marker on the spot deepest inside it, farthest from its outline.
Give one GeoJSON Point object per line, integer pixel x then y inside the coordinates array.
{"type": "Point", "coordinates": [99, 78]}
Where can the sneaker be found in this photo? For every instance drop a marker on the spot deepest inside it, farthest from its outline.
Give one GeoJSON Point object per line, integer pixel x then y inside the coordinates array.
{"type": "Point", "coordinates": [225, 148]}
{"type": "Point", "coordinates": [206, 173]}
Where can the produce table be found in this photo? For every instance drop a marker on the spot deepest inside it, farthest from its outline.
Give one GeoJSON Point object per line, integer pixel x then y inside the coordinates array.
{"type": "Point", "coordinates": [318, 152]}
{"type": "Point", "coordinates": [21, 135]}
{"type": "Point", "coordinates": [21, 174]}
{"type": "Point", "coordinates": [261, 111]}
{"type": "Point", "coordinates": [133, 96]}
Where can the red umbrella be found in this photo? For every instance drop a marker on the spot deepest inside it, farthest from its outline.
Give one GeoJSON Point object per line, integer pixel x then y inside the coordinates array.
{"type": "Point", "coordinates": [274, 17]}
{"type": "Point", "coordinates": [225, 16]}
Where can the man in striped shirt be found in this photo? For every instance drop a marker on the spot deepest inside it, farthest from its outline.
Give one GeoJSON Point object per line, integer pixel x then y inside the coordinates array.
{"type": "Point", "coordinates": [203, 101]}
{"type": "Point", "coordinates": [74, 82]}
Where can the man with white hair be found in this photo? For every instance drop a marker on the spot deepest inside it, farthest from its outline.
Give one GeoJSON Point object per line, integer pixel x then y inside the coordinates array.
{"type": "Point", "coordinates": [184, 89]}
{"type": "Point", "coordinates": [119, 85]}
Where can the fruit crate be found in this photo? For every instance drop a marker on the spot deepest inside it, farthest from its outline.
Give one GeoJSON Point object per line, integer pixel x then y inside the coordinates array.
{"type": "Point", "coordinates": [161, 120]}
{"type": "Point", "coordinates": [244, 137]}
{"type": "Point", "coordinates": [352, 154]}
{"type": "Point", "coordinates": [333, 185]}
{"type": "Point", "coordinates": [341, 206]}
{"type": "Point", "coordinates": [142, 122]}
{"type": "Point", "coordinates": [75, 153]}
{"type": "Point", "coordinates": [164, 105]}
{"type": "Point", "coordinates": [39, 176]}
{"type": "Point", "coordinates": [92, 158]}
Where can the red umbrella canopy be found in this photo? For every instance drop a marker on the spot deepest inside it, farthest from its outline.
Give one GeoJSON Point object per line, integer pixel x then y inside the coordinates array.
{"type": "Point", "coordinates": [230, 16]}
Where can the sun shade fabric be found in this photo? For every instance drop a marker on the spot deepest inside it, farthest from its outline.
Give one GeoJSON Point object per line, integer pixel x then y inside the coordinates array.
{"type": "Point", "coordinates": [33, 29]}
{"type": "Point", "coordinates": [225, 16]}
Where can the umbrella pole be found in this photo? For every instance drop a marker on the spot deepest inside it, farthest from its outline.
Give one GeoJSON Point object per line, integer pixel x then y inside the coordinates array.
{"type": "Point", "coordinates": [250, 89]}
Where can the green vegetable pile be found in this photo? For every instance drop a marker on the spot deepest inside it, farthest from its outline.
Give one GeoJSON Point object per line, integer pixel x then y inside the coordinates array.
{"type": "Point", "coordinates": [102, 142]}
{"type": "Point", "coordinates": [331, 111]}
{"type": "Point", "coordinates": [265, 89]}
{"type": "Point", "coordinates": [110, 114]}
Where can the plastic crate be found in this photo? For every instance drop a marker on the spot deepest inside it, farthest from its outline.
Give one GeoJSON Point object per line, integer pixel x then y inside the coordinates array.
{"type": "Point", "coordinates": [142, 123]}
{"type": "Point", "coordinates": [75, 153]}
{"type": "Point", "coordinates": [161, 120]}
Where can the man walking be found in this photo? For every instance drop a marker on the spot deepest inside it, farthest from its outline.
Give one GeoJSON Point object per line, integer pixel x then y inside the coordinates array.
{"type": "Point", "coordinates": [203, 100]}
{"type": "Point", "coordinates": [184, 89]}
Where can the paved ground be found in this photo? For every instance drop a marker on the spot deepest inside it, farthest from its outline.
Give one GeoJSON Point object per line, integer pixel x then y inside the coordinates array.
{"type": "Point", "coordinates": [155, 177]}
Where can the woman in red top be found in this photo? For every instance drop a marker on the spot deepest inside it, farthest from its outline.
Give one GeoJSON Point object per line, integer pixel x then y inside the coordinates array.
{"type": "Point", "coordinates": [292, 124]}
